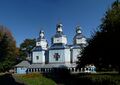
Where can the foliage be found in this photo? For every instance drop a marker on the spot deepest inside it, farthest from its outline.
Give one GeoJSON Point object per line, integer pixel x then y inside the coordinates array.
{"type": "Point", "coordinates": [35, 79]}
{"type": "Point", "coordinates": [26, 47]}
{"type": "Point", "coordinates": [7, 79]}
{"type": "Point", "coordinates": [100, 79]}
{"type": "Point", "coordinates": [8, 49]}
{"type": "Point", "coordinates": [104, 44]}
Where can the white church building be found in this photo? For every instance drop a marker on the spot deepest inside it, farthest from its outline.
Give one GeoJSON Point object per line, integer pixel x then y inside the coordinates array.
{"type": "Point", "coordinates": [58, 55]}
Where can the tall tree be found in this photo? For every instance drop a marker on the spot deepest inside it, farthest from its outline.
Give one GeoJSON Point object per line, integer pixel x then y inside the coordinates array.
{"type": "Point", "coordinates": [8, 50]}
{"type": "Point", "coordinates": [103, 48]}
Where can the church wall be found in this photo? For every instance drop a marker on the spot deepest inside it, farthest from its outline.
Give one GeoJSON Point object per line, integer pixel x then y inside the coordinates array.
{"type": "Point", "coordinates": [57, 53]}
{"type": "Point", "coordinates": [38, 57]}
{"type": "Point", "coordinates": [21, 70]}
{"type": "Point", "coordinates": [75, 53]}
{"type": "Point", "coordinates": [81, 41]}
{"type": "Point", "coordinates": [43, 44]}
{"type": "Point", "coordinates": [60, 40]}
{"type": "Point", "coordinates": [67, 55]}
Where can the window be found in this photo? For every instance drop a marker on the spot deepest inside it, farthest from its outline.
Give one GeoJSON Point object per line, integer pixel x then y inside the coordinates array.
{"type": "Point", "coordinates": [37, 57]}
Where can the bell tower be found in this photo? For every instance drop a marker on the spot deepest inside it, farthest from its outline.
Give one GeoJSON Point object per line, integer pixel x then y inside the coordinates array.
{"type": "Point", "coordinates": [39, 51]}
{"type": "Point", "coordinates": [41, 41]}
{"type": "Point", "coordinates": [59, 52]}
{"type": "Point", "coordinates": [59, 37]}
{"type": "Point", "coordinates": [79, 39]}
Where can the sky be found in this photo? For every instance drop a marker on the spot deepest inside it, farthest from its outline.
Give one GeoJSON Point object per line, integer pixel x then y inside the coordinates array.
{"type": "Point", "coordinates": [25, 18]}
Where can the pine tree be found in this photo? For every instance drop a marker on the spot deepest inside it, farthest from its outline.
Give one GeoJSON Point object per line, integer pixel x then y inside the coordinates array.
{"type": "Point", "coordinates": [103, 48]}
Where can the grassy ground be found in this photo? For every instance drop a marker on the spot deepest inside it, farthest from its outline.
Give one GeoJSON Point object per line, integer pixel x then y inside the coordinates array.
{"type": "Point", "coordinates": [60, 78]}
{"type": "Point", "coordinates": [97, 79]}
{"type": "Point", "coordinates": [24, 79]}
{"type": "Point", "coordinates": [34, 79]}
{"type": "Point", "coordinates": [85, 79]}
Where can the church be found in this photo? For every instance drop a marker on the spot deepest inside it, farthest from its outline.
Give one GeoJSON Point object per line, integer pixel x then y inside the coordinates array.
{"type": "Point", "coordinates": [58, 55]}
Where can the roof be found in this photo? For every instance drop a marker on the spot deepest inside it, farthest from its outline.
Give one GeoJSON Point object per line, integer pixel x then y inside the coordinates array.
{"type": "Point", "coordinates": [37, 48]}
{"type": "Point", "coordinates": [41, 39]}
{"type": "Point", "coordinates": [76, 46]}
{"type": "Point", "coordinates": [80, 46]}
{"type": "Point", "coordinates": [51, 65]}
{"type": "Point", "coordinates": [57, 35]}
{"type": "Point", "coordinates": [79, 36]}
{"type": "Point", "coordinates": [59, 46]}
{"type": "Point", "coordinates": [23, 64]}
{"type": "Point", "coordinates": [38, 65]}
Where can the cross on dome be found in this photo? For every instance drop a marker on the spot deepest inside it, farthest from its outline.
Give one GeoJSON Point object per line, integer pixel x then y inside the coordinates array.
{"type": "Point", "coordinates": [41, 34]}
{"type": "Point", "coordinates": [59, 27]}
{"type": "Point", "coordinates": [78, 30]}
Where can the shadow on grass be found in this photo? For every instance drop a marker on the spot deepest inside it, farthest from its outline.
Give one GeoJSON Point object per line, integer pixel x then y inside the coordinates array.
{"type": "Point", "coordinates": [7, 79]}
{"type": "Point", "coordinates": [63, 77]}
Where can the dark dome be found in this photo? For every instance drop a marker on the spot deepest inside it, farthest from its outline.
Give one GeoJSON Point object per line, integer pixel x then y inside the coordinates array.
{"type": "Point", "coordinates": [79, 36]}
{"type": "Point", "coordinates": [37, 48]}
{"type": "Point", "coordinates": [57, 35]}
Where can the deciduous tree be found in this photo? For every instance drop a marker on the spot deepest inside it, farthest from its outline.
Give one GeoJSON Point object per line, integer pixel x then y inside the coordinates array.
{"type": "Point", "coordinates": [26, 47]}
{"type": "Point", "coordinates": [8, 49]}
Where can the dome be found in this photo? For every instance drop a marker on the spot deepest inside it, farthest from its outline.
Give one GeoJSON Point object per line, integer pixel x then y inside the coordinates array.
{"type": "Point", "coordinates": [79, 36]}
{"type": "Point", "coordinates": [41, 36]}
{"type": "Point", "coordinates": [59, 37]}
{"type": "Point", "coordinates": [37, 48]}
{"type": "Point", "coordinates": [78, 33]}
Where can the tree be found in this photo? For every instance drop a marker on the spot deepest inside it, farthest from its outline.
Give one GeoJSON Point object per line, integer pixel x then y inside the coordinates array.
{"type": "Point", "coordinates": [26, 47]}
{"type": "Point", "coordinates": [8, 49]}
{"type": "Point", "coordinates": [103, 48]}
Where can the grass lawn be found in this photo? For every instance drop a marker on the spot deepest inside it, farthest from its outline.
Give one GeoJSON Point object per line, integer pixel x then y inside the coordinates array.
{"type": "Point", "coordinates": [99, 79]}
{"type": "Point", "coordinates": [86, 79]}
{"type": "Point", "coordinates": [33, 79]}
{"type": "Point", "coordinates": [60, 79]}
